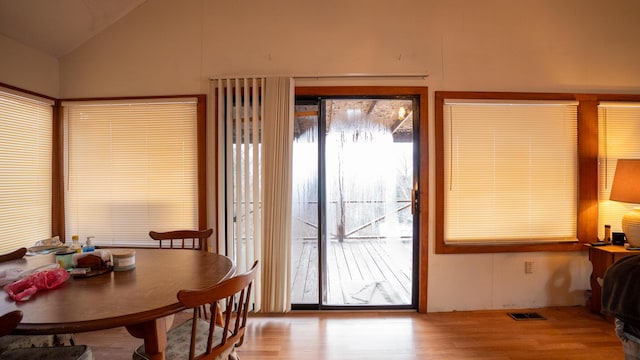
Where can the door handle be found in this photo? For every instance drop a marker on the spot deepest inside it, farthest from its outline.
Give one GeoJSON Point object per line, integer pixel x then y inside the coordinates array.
{"type": "Point", "coordinates": [414, 202]}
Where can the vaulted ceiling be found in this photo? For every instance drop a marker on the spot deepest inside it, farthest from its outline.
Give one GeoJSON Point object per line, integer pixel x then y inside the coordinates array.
{"type": "Point", "coordinates": [57, 27]}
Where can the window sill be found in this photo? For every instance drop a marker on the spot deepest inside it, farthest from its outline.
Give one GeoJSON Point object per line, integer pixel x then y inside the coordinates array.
{"type": "Point", "coordinates": [506, 248]}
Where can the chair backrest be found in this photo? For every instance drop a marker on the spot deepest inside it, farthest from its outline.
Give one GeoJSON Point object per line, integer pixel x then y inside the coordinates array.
{"type": "Point", "coordinates": [183, 239]}
{"type": "Point", "coordinates": [13, 255]}
{"type": "Point", "coordinates": [9, 321]}
{"type": "Point", "coordinates": [234, 295]}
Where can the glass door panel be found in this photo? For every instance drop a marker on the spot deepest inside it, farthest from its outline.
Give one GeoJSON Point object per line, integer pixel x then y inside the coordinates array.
{"type": "Point", "coordinates": [353, 179]}
{"type": "Point", "coordinates": [305, 216]}
{"type": "Point", "coordinates": [369, 177]}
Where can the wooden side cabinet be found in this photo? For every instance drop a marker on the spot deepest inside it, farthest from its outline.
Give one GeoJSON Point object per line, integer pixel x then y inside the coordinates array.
{"type": "Point", "coordinates": [601, 258]}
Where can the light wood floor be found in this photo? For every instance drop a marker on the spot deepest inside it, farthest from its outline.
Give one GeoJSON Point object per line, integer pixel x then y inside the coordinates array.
{"type": "Point", "coordinates": [567, 333]}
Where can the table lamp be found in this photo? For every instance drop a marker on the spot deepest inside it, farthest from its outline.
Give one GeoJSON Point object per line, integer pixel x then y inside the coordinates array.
{"type": "Point", "coordinates": [626, 188]}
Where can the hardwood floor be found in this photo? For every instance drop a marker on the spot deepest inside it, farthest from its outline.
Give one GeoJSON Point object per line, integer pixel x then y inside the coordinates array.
{"type": "Point", "coordinates": [567, 333]}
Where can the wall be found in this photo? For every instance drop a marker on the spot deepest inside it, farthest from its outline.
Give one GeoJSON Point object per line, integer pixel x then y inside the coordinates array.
{"type": "Point", "coordinates": [171, 47]}
{"type": "Point", "coordinates": [27, 68]}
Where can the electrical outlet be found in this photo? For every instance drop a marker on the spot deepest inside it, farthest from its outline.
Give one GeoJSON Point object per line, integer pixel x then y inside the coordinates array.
{"type": "Point", "coordinates": [528, 267]}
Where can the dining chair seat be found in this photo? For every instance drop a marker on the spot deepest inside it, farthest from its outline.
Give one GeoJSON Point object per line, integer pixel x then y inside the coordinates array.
{"type": "Point", "coordinates": [76, 352]}
{"type": "Point", "coordinates": [10, 342]}
{"type": "Point", "coordinates": [10, 320]}
{"type": "Point", "coordinates": [179, 340]}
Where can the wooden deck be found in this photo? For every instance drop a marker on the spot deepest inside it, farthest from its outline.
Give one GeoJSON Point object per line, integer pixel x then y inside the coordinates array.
{"type": "Point", "coordinates": [360, 272]}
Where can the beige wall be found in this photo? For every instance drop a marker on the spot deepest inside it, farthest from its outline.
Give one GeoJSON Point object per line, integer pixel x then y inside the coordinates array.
{"type": "Point", "coordinates": [173, 47]}
{"type": "Point", "coordinates": [167, 46]}
{"type": "Point", "coordinates": [27, 68]}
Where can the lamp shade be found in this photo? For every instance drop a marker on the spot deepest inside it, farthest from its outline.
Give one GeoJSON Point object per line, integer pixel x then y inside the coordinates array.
{"type": "Point", "coordinates": [626, 181]}
{"type": "Point", "coordinates": [626, 188]}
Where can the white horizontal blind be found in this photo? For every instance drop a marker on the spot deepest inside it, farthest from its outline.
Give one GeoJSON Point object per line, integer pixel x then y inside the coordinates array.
{"type": "Point", "coordinates": [618, 132]}
{"type": "Point", "coordinates": [25, 170]}
{"type": "Point", "coordinates": [130, 168]}
{"type": "Point", "coordinates": [510, 172]}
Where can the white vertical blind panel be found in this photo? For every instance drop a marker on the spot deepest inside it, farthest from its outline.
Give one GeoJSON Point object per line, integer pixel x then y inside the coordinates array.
{"type": "Point", "coordinates": [25, 171]}
{"type": "Point", "coordinates": [229, 160]}
{"type": "Point", "coordinates": [255, 140]}
{"type": "Point", "coordinates": [130, 169]}
{"type": "Point", "coordinates": [246, 157]}
{"type": "Point", "coordinates": [216, 90]}
{"type": "Point", "coordinates": [618, 132]}
{"type": "Point", "coordinates": [237, 165]}
{"type": "Point", "coordinates": [510, 173]}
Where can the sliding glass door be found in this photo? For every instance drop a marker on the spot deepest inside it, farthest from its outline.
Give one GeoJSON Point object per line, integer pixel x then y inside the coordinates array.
{"type": "Point", "coordinates": [353, 228]}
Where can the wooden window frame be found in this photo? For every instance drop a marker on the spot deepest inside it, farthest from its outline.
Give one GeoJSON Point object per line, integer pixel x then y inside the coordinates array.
{"type": "Point", "coordinates": [587, 210]}
{"type": "Point", "coordinates": [58, 215]}
{"type": "Point", "coordinates": [587, 221]}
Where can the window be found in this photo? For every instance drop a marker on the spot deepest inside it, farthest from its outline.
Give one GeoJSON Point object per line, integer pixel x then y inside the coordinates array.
{"type": "Point", "coordinates": [131, 166]}
{"type": "Point", "coordinates": [618, 132]}
{"type": "Point", "coordinates": [25, 169]}
{"type": "Point", "coordinates": [507, 172]}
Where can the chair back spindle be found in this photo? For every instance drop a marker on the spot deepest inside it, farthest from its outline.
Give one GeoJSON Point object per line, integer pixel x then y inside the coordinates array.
{"type": "Point", "coordinates": [235, 294]}
{"type": "Point", "coordinates": [183, 239]}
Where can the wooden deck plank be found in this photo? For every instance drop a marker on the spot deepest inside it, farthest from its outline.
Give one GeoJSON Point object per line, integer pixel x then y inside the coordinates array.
{"type": "Point", "coordinates": [348, 278]}
{"type": "Point", "coordinates": [300, 266]}
{"type": "Point", "coordinates": [365, 257]}
{"type": "Point", "coordinates": [361, 289]}
{"type": "Point", "coordinates": [360, 272]}
{"type": "Point", "coordinates": [392, 266]}
{"type": "Point", "coordinates": [390, 288]}
{"type": "Point", "coordinates": [335, 295]}
{"type": "Point", "coordinates": [400, 254]}
{"type": "Point", "coordinates": [311, 282]}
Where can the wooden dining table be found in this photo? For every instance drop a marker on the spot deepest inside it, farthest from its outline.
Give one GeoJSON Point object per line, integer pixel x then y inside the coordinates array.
{"type": "Point", "coordinates": [142, 299]}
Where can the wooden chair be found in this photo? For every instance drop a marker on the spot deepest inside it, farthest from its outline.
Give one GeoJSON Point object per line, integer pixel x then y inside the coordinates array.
{"type": "Point", "coordinates": [13, 255]}
{"type": "Point", "coordinates": [183, 239]}
{"type": "Point", "coordinates": [9, 342]}
{"type": "Point", "coordinates": [204, 340]}
{"type": "Point", "coordinates": [9, 321]}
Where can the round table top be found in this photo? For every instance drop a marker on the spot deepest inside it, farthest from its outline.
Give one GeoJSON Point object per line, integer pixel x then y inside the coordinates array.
{"type": "Point", "coordinates": [117, 298]}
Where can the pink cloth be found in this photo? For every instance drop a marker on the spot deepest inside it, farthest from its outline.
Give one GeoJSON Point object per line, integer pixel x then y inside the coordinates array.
{"type": "Point", "coordinates": [22, 290]}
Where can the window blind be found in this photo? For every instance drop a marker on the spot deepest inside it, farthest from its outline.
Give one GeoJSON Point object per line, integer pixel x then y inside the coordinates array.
{"type": "Point", "coordinates": [130, 167]}
{"type": "Point", "coordinates": [510, 172]}
{"type": "Point", "coordinates": [618, 132]}
{"type": "Point", "coordinates": [25, 169]}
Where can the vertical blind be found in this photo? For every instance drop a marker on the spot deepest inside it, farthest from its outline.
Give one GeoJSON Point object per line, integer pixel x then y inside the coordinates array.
{"type": "Point", "coordinates": [240, 114]}
{"type": "Point", "coordinates": [130, 167]}
{"type": "Point", "coordinates": [618, 132]}
{"type": "Point", "coordinates": [254, 148]}
{"type": "Point", "coordinates": [510, 172]}
{"type": "Point", "coordinates": [26, 126]}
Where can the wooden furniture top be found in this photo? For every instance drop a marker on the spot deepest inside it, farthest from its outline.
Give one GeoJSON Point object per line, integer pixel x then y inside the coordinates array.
{"type": "Point", "coordinates": [117, 298]}
{"type": "Point", "coordinates": [615, 249]}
